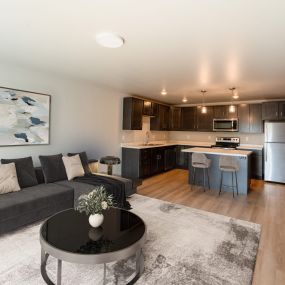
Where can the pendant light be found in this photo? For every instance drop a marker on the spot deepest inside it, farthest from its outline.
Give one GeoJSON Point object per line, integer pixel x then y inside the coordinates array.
{"type": "Point", "coordinates": [232, 108]}
{"type": "Point", "coordinates": [204, 108]}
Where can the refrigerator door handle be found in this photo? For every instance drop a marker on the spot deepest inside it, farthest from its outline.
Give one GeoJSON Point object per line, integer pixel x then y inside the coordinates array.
{"type": "Point", "coordinates": [265, 153]}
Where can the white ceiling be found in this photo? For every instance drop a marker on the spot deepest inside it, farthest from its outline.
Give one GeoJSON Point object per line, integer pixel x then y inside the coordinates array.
{"type": "Point", "coordinates": [180, 45]}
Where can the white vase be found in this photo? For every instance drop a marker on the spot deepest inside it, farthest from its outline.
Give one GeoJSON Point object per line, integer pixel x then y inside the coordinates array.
{"type": "Point", "coordinates": [96, 220]}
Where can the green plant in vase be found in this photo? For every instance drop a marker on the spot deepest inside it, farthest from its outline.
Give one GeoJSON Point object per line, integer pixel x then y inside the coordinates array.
{"type": "Point", "coordinates": [94, 203]}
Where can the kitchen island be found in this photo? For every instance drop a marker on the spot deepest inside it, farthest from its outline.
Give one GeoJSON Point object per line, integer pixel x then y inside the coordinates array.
{"type": "Point", "coordinates": [243, 175]}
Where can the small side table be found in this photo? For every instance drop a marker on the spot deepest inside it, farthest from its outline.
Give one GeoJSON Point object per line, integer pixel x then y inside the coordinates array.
{"type": "Point", "coordinates": [110, 161]}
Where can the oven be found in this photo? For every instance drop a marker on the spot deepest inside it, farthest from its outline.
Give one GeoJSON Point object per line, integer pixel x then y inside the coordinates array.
{"type": "Point", "coordinates": [225, 125]}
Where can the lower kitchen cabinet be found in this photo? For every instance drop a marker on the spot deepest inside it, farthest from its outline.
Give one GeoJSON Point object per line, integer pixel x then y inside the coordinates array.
{"type": "Point", "coordinates": [182, 157]}
{"type": "Point", "coordinates": [157, 160]}
{"type": "Point", "coordinates": [142, 163]}
{"type": "Point", "coordinates": [256, 167]}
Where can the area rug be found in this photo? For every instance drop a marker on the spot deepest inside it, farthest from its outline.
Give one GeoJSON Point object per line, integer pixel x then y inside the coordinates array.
{"type": "Point", "coordinates": [184, 246]}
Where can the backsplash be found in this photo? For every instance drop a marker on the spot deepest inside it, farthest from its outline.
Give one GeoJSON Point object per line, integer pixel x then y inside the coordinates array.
{"type": "Point", "coordinates": [139, 136]}
{"type": "Point", "coordinates": [210, 137]}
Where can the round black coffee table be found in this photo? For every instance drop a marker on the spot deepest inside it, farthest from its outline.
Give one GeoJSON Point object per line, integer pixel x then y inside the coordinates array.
{"type": "Point", "coordinates": [67, 236]}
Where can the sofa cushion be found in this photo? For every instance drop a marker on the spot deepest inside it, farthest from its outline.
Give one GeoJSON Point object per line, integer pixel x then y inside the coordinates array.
{"type": "Point", "coordinates": [78, 187]}
{"type": "Point", "coordinates": [53, 168]}
{"type": "Point", "coordinates": [84, 161]}
{"type": "Point", "coordinates": [73, 166]}
{"type": "Point", "coordinates": [33, 203]}
{"type": "Point", "coordinates": [8, 178]}
{"type": "Point", "coordinates": [25, 171]}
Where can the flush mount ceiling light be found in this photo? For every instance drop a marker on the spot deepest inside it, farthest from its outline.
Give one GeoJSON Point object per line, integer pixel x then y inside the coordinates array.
{"type": "Point", "coordinates": [204, 108]}
{"type": "Point", "coordinates": [163, 92]}
{"type": "Point", "coordinates": [184, 100]}
{"type": "Point", "coordinates": [232, 107]}
{"type": "Point", "coordinates": [109, 40]}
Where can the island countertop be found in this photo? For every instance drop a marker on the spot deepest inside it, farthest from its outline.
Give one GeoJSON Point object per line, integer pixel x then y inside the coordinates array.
{"type": "Point", "coordinates": [218, 151]}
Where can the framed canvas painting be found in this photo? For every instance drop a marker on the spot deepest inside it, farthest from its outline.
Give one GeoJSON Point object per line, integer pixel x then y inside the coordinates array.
{"type": "Point", "coordinates": [24, 117]}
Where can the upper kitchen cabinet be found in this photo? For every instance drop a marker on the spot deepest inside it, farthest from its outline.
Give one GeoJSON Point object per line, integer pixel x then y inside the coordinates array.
{"type": "Point", "coordinates": [250, 118]}
{"type": "Point", "coordinates": [205, 120]}
{"type": "Point", "coordinates": [174, 118]}
{"type": "Point", "coordinates": [270, 111]}
{"type": "Point", "coordinates": [188, 118]}
{"type": "Point", "coordinates": [222, 112]}
{"type": "Point", "coordinates": [161, 121]}
{"type": "Point", "coordinates": [255, 118]}
{"type": "Point", "coordinates": [281, 110]}
{"type": "Point", "coordinates": [243, 118]}
{"type": "Point", "coordinates": [132, 113]}
{"type": "Point", "coordinates": [149, 108]}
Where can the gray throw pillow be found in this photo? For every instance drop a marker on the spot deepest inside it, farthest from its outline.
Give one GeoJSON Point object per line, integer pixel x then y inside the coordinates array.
{"type": "Point", "coordinates": [84, 161]}
{"type": "Point", "coordinates": [53, 168]}
{"type": "Point", "coordinates": [25, 171]}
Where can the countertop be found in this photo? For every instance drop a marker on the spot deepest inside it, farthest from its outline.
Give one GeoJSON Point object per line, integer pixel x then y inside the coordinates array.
{"type": "Point", "coordinates": [218, 151]}
{"type": "Point", "coordinates": [138, 145]}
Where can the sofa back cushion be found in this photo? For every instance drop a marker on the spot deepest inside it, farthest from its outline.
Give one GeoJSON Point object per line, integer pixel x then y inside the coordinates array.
{"type": "Point", "coordinates": [8, 178]}
{"type": "Point", "coordinates": [84, 161]}
{"type": "Point", "coordinates": [73, 166]}
{"type": "Point", "coordinates": [53, 168]}
{"type": "Point", "coordinates": [25, 171]}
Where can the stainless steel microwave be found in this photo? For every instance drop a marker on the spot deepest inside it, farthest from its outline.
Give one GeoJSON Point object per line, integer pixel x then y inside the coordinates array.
{"type": "Point", "coordinates": [225, 125]}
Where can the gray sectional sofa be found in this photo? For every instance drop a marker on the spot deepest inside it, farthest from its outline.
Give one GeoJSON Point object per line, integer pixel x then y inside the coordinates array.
{"type": "Point", "coordinates": [40, 201]}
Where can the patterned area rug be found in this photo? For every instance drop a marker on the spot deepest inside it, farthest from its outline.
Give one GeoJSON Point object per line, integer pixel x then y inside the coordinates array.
{"type": "Point", "coordinates": [184, 246]}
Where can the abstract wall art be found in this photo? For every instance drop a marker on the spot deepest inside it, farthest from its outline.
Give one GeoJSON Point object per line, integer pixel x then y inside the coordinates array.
{"type": "Point", "coordinates": [24, 117]}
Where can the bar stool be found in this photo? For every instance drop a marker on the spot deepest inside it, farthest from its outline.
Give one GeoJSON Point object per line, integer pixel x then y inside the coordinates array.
{"type": "Point", "coordinates": [200, 161]}
{"type": "Point", "coordinates": [231, 165]}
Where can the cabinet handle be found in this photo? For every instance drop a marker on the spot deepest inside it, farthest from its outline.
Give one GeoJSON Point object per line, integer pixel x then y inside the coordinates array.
{"type": "Point", "coordinates": [276, 114]}
{"type": "Point", "coordinates": [281, 113]}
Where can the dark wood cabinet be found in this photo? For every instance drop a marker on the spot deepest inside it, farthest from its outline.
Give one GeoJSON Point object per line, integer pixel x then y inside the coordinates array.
{"type": "Point", "coordinates": [255, 118]}
{"type": "Point", "coordinates": [243, 117]}
{"type": "Point", "coordinates": [205, 120]}
{"type": "Point", "coordinates": [145, 162]}
{"type": "Point", "coordinates": [157, 160]}
{"type": "Point", "coordinates": [149, 108]}
{"type": "Point", "coordinates": [188, 118]}
{"type": "Point", "coordinates": [256, 163]}
{"type": "Point", "coordinates": [222, 112]}
{"type": "Point", "coordinates": [169, 158]}
{"type": "Point", "coordinates": [161, 121]}
{"type": "Point", "coordinates": [250, 118]}
{"type": "Point", "coordinates": [281, 110]}
{"type": "Point", "coordinates": [174, 118]}
{"type": "Point", "coordinates": [270, 111]}
{"type": "Point", "coordinates": [182, 157]}
{"type": "Point", "coordinates": [132, 113]}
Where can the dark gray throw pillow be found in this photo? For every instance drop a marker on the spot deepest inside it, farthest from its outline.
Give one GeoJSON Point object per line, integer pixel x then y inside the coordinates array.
{"type": "Point", "coordinates": [84, 161]}
{"type": "Point", "coordinates": [53, 168]}
{"type": "Point", "coordinates": [25, 171]}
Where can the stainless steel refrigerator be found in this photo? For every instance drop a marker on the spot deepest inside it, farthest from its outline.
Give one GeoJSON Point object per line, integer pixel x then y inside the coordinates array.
{"type": "Point", "coordinates": [274, 152]}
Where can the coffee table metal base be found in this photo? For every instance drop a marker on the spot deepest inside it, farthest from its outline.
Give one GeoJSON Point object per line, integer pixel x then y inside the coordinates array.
{"type": "Point", "coordinates": [132, 279]}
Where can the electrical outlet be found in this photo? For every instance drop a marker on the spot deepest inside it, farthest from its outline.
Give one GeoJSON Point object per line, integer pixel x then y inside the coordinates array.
{"type": "Point", "coordinates": [209, 138]}
{"type": "Point", "coordinates": [188, 137]}
{"type": "Point", "coordinates": [246, 139]}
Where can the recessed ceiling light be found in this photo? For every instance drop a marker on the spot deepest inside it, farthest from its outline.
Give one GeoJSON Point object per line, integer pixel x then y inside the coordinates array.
{"type": "Point", "coordinates": [163, 92]}
{"type": "Point", "coordinates": [109, 40]}
{"type": "Point", "coordinates": [184, 100]}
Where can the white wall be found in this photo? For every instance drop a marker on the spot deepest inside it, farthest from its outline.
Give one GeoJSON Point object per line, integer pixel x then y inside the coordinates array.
{"type": "Point", "coordinates": [83, 116]}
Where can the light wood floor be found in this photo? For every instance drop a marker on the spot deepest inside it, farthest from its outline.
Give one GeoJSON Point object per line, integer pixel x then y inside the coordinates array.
{"type": "Point", "coordinates": [264, 205]}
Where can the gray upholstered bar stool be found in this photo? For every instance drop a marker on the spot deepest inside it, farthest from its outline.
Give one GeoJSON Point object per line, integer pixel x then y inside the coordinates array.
{"type": "Point", "coordinates": [231, 165]}
{"type": "Point", "coordinates": [200, 161]}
